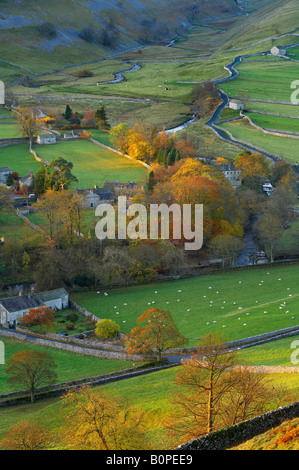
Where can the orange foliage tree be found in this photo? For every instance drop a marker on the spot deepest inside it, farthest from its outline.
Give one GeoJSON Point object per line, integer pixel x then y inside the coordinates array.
{"type": "Point", "coordinates": [156, 333]}
{"type": "Point", "coordinates": [27, 435]}
{"type": "Point", "coordinates": [42, 316]}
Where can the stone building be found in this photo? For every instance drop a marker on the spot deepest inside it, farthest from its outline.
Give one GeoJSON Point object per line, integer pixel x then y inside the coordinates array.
{"type": "Point", "coordinates": [278, 50]}
{"type": "Point", "coordinates": [46, 139]}
{"type": "Point", "coordinates": [13, 309]}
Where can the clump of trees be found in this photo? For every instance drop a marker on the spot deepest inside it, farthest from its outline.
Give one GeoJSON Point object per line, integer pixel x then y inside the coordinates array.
{"type": "Point", "coordinates": [145, 143]}
{"type": "Point", "coordinates": [90, 119]}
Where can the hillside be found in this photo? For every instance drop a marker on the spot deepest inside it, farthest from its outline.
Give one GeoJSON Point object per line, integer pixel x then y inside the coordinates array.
{"type": "Point", "coordinates": [40, 36]}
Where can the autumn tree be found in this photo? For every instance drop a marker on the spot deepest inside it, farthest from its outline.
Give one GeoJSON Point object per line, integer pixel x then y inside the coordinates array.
{"type": "Point", "coordinates": [99, 422]}
{"type": "Point", "coordinates": [226, 247]}
{"type": "Point", "coordinates": [118, 135]}
{"type": "Point", "coordinates": [29, 122]}
{"type": "Point", "coordinates": [27, 435]}
{"type": "Point", "coordinates": [205, 380]}
{"type": "Point", "coordinates": [254, 168]}
{"type": "Point", "coordinates": [49, 205]}
{"type": "Point", "coordinates": [248, 397]}
{"type": "Point", "coordinates": [42, 316]}
{"type": "Point", "coordinates": [157, 333]}
{"type": "Point", "coordinates": [30, 370]}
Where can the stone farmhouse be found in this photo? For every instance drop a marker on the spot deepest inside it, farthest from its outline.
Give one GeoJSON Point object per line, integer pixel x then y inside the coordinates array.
{"type": "Point", "coordinates": [278, 50]}
{"type": "Point", "coordinates": [12, 309]}
{"type": "Point", "coordinates": [108, 193]}
{"type": "Point", "coordinates": [231, 173]}
{"type": "Point", "coordinates": [94, 197]}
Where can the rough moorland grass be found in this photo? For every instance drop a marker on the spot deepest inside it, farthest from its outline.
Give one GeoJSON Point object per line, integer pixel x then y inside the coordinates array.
{"type": "Point", "coordinates": [237, 310]}
{"type": "Point", "coordinates": [285, 147]}
{"type": "Point", "coordinates": [93, 164]}
{"type": "Point", "coordinates": [279, 438]}
{"type": "Point", "coordinates": [18, 158]}
{"type": "Point", "coordinates": [70, 366]}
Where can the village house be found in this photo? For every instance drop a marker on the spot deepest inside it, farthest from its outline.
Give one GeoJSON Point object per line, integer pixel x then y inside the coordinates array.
{"type": "Point", "coordinates": [4, 172]}
{"type": "Point", "coordinates": [13, 309]}
{"type": "Point", "coordinates": [236, 104]}
{"type": "Point", "coordinates": [26, 181]}
{"type": "Point", "coordinates": [278, 50]}
{"type": "Point", "coordinates": [46, 139]}
{"type": "Point", "coordinates": [231, 173]}
{"type": "Point", "coordinates": [95, 196]}
{"type": "Point", "coordinates": [122, 189]}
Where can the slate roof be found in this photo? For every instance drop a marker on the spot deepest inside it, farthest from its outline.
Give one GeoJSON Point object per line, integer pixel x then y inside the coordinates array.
{"type": "Point", "coordinates": [52, 294]}
{"type": "Point", "coordinates": [24, 302]}
{"type": "Point", "coordinates": [21, 302]}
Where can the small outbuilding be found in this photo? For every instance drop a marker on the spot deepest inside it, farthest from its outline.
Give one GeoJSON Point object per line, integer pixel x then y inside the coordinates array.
{"type": "Point", "coordinates": [278, 50]}
{"type": "Point", "coordinates": [46, 139]}
{"type": "Point", "coordinates": [238, 105]}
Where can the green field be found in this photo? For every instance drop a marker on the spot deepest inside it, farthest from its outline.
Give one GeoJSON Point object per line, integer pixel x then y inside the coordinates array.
{"type": "Point", "coordinates": [293, 53]}
{"type": "Point", "coordinates": [19, 159]}
{"type": "Point", "coordinates": [93, 164]}
{"type": "Point", "coordinates": [9, 131]}
{"type": "Point", "coordinates": [283, 109]}
{"type": "Point", "coordinates": [225, 299]}
{"type": "Point", "coordinates": [70, 366]}
{"type": "Point", "coordinates": [151, 393]}
{"type": "Point", "coordinates": [12, 227]}
{"type": "Point", "coordinates": [275, 122]}
{"type": "Point", "coordinates": [285, 147]}
{"type": "Point", "coordinates": [263, 80]}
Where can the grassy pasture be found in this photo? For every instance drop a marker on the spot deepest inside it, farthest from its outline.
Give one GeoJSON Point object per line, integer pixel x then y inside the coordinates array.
{"type": "Point", "coordinates": [198, 305]}
{"type": "Point", "coordinates": [150, 392]}
{"type": "Point", "coordinates": [19, 159]}
{"type": "Point", "coordinates": [275, 122]}
{"type": "Point", "coordinates": [70, 366]}
{"type": "Point", "coordinates": [283, 109]}
{"type": "Point", "coordinates": [263, 80]}
{"type": "Point", "coordinates": [285, 147]}
{"type": "Point", "coordinates": [93, 164]}
{"type": "Point", "coordinates": [9, 131]}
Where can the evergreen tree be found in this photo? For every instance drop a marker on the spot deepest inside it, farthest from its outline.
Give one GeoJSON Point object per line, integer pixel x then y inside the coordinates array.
{"type": "Point", "coordinates": [9, 180]}
{"type": "Point", "coordinates": [68, 112]}
{"type": "Point", "coordinates": [39, 182]}
{"type": "Point", "coordinates": [101, 118]}
{"type": "Point", "coordinates": [151, 183]}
